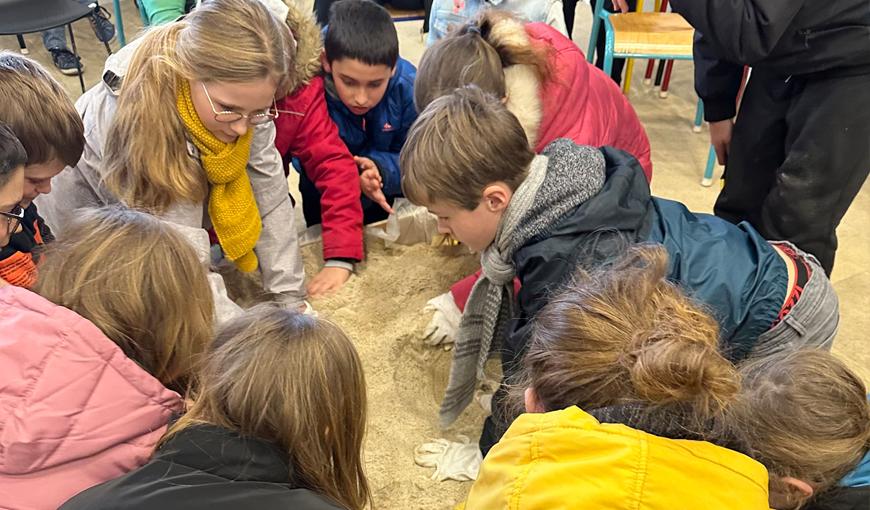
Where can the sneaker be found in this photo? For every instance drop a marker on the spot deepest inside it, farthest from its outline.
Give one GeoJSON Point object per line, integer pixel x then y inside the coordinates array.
{"type": "Point", "coordinates": [104, 28]}
{"type": "Point", "coordinates": [65, 61]}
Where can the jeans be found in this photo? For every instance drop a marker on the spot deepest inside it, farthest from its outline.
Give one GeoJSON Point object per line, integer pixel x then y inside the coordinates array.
{"type": "Point", "coordinates": [813, 321]}
{"type": "Point", "coordinates": [55, 38]}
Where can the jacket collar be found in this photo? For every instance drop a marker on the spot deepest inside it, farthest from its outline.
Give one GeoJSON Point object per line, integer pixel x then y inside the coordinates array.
{"type": "Point", "coordinates": [226, 454]}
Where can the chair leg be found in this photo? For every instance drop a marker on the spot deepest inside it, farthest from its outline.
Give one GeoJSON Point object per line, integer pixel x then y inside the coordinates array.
{"type": "Point", "coordinates": [119, 23]}
{"type": "Point", "coordinates": [707, 181]}
{"type": "Point", "coordinates": [608, 44]}
{"type": "Point", "coordinates": [72, 40]}
{"type": "Point", "coordinates": [669, 67]}
{"type": "Point", "coordinates": [647, 76]}
{"type": "Point", "coordinates": [626, 80]}
{"type": "Point", "coordinates": [22, 45]}
{"type": "Point", "coordinates": [593, 36]}
{"type": "Point", "coordinates": [699, 117]}
{"type": "Point", "coordinates": [660, 71]}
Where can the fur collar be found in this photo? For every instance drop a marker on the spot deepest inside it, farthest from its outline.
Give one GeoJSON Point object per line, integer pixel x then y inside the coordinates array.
{"type": "Point", "coordinates": [521, 83]}
{"type": "Point", "coordinates": [309, 46]}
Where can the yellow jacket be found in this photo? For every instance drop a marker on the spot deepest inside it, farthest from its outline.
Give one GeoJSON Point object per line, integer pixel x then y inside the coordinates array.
{"type": "Point", "coordinates": [568, 460]}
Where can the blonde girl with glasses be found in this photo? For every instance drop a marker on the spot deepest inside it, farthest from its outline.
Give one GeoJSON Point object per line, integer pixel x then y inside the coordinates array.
{"type": "Point", "coordinates": [181, 126]}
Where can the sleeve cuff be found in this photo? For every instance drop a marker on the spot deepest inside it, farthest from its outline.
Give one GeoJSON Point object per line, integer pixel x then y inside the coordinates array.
{"type": "Point", "coordinates": [714, 111]}
{"type": "Point", "coordinates": [339, 263]}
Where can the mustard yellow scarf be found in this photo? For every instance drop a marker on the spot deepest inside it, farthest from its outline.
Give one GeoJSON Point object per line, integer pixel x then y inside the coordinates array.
{"type": "Point", "coordinates": [231, 204]}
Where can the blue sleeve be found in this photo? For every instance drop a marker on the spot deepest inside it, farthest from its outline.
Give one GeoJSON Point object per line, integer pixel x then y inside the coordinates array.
{"type": "Point", "coordinates": [717, 81]}
{"type": "Point", "coordinates": [388, 160]}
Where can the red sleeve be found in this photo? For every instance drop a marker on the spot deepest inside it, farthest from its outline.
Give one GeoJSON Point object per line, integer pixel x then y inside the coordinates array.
{"type": "Point", "coordinates": [461, 290]}
{"type": "Point", "coordinates": [305, 131]}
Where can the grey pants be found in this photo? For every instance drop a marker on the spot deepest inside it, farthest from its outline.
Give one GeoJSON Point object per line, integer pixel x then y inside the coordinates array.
{"type": "Point", "coordinates": [55, 38]}
{"type": "Point", "coordinates": [813, 321]}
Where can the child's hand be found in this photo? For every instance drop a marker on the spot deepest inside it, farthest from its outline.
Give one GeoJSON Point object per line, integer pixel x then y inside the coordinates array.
{"type": "Point", "coordinates": [370, 182]}
{"type": "Point", "coordinates": [327, 281]}
{"type": "Point", "coordinates": [620, 6]}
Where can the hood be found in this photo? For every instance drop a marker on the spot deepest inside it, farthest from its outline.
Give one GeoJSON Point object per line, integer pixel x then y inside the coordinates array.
{"type": "Point", "coordinates": [567, 459]}
{"type": "Point", "coordinates": [68, 393]}
{"type": "Point", "coordinates": [521, 82]}
{"type": "Point", "coordinates": [309, 46]}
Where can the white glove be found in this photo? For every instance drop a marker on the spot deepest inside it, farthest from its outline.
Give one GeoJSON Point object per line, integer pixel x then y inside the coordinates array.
{"type": "Point", "coordinates": [445, 322]}
{"type": "Point", "coordinates": [458, 461]}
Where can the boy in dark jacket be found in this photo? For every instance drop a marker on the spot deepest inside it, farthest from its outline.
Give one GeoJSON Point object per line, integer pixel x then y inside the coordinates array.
{"type": "Point", "coordinates": [370, 96]}
{"type": "Point", "coordinates": [800, 149]}
{"type": "Point", "coordinates": [540, 218]}
{"type": "Point", "coordinates": [45, 120]}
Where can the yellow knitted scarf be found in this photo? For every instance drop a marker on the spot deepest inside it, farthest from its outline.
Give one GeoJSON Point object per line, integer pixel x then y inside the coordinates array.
{"type": "Point", "coordinates": [231, 204]}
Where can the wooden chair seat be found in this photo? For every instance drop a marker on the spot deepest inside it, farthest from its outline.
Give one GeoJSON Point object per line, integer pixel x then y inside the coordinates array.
{"type": "Point", "coordinates": [652, 33]}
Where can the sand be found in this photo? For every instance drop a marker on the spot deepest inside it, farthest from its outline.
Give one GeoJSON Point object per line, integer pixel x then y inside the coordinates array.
{"type": "Point", "coordinates": [381, 309]}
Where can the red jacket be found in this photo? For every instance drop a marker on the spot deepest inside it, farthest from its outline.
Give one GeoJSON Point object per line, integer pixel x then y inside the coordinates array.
{"type": "Point", "coordinates": [305, 131]}
{"type": "Point", "coordinates": [578, 102]}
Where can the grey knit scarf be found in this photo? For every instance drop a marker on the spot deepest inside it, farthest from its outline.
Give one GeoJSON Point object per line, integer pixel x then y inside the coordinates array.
{"type": "Point", "coordinates": [563, 178]}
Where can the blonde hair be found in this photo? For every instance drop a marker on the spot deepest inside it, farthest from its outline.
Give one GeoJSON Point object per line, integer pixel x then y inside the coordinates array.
{"type": "Point", "coordinates": [39, 111]}
{"type": "Point", "coordinates": [145, 153]}
{"type": "Point", "coordinates": [627, 335]}
{"type": "Point", "coordinates": [139, 282]}
{"type": "Point", "coordinates": [294, 380]}
{"type": "Point", "coordinates": [477, 53]}
{"type": "Point", "coordinates": [462, 142]}
{"type": "Point", "coordinates": [804, 414]}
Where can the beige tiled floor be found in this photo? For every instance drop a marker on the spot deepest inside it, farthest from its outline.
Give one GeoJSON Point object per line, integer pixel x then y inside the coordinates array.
{"type": "Point", "coordinates": [678, 155]}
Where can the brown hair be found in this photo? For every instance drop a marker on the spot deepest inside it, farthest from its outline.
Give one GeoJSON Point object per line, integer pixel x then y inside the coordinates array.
{"type": "Point", "coordinates": [627, 335]}
{"type": "Point", "coordinates": [294, 380]}
{"type": "Point", "coordinates": [477, 53]}
{"type": "Point", "coordinates": [139, 282]}
{"type": "Point", "coordinates": [39, 111]}
{"type": "Point", "coordinates": [804, 415]}
{"type": "Point", "coordinates": [462, 142]}
{"type": "Point", "coordinates": [145, 152]}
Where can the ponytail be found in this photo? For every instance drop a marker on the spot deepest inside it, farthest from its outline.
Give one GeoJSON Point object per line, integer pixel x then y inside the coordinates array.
{"type": "Point", "coordinates": [477, 53]}
{"type": "Point", "coordinates": [627, 335]}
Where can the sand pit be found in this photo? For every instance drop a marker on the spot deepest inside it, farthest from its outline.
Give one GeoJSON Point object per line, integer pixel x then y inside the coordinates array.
{"type": "Point", "coordinates": [381, 309]}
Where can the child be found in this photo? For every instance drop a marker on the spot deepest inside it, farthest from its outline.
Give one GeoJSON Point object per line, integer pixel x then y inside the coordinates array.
{"type": "Point", "coordinates": [545, 81]}
{"type": "Point", "coordinates": [305, 133]}
{"type": "Point", "coordinates": [41, 114]}
{"type": "Point", "coordinates": [95, 361]}
{"type": "Point", "coordinates": [12, 159]}
{"type": "Point", "coordinates": [278, 422]}
{"type": "Point", "coordinates": [370, 96]}
{"type": "Point", "coordinates": [541, 217]}
{"type": "Point", "coordinates": [623, 382]}
{"type": "Point", "coordinates": [181, 126]}
{"type": "Point", "coordinates": [806, 417]}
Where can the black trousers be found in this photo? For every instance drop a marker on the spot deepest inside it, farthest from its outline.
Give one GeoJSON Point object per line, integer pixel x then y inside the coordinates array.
{"type": "Point", "coordinates": [799, 154]}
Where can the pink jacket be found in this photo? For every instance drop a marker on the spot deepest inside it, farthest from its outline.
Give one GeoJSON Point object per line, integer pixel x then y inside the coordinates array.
{"type": "Point", "coordinates": [578, 102]}
{"type": "Point", "coordinates": [74, 410]}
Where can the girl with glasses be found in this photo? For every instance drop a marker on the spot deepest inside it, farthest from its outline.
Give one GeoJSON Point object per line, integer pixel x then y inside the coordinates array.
{"type": "Point", "coordinates": [181, 126]}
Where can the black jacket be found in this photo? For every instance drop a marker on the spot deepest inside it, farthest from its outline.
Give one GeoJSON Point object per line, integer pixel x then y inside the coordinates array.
{"type": "Point", "coordinates": [206, 468]}
{"type": "Point", "coordinates": [782, 37]}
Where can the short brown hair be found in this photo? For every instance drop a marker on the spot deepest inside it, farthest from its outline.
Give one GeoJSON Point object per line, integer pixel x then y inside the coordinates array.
{"type": "Point", "coordinates": [462, 142]}
{"type": "Point", "coordinates": [39, 111]}
{"type": "Point", "coordinates": [478, 53]}
{"type": "Point", "coordinates": [296, 381]}
{"type": "Point", "coordinates": [139, 282]}
{"type": "Point", "coordinates": [804, 414]}
{"type": "Point", "coordinates": [626, 334]}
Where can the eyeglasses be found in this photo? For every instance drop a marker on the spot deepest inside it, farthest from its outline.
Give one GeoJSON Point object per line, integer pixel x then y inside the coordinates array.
{"type": "Point", "coordinates": [13, 217]}
{"type": "Point", "coordinates": [229, 116]}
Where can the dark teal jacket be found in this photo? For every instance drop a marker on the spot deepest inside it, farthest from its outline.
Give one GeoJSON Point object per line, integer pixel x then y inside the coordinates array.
{"type": "Point", "coordinates": [728, 268]}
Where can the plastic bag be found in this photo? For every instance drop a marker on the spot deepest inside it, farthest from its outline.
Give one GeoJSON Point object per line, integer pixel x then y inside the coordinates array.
{"type": "Point", "coordinates": [409, 224]}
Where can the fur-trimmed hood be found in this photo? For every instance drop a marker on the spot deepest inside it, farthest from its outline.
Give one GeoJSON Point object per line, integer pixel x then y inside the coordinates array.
{"type": "Point", "coordinates": [309, 46]}
{"type": "Point", "coordinates": [521, 82]}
